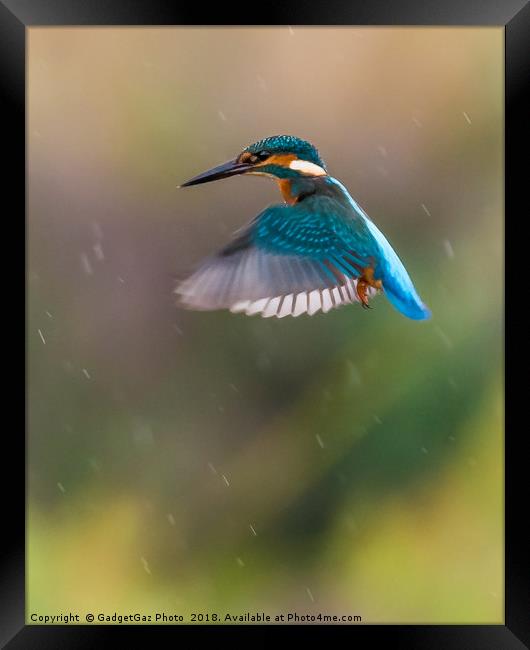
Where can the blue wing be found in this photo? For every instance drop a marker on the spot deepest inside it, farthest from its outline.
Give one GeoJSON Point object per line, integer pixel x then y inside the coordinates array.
{"type": "Point", "coordinates": [302, 258]}
{"type": "Point", "coordinates": [289, 260]}
{"type": "Point", "coordinates": [397, 285]}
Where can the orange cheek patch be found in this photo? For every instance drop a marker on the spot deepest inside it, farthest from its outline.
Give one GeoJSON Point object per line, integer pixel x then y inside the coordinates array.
{"type": "Point", "coordinates": [282, 160]}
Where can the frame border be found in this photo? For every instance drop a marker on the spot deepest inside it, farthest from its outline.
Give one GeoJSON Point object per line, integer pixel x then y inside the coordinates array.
{"type": "Point", "coordinates": [514, 15]}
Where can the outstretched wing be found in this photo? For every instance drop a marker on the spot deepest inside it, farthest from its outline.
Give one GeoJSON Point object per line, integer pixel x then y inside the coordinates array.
{"type": "Point", "coordinates": [288, 261]}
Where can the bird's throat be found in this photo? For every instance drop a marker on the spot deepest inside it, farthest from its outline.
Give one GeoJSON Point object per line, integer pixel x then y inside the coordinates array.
{"type": "Point", "coordinates": [286, 190]}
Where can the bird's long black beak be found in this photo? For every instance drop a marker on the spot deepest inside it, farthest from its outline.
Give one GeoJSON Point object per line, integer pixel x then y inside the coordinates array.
{"type": "Point", "coordinates": [230, 168]}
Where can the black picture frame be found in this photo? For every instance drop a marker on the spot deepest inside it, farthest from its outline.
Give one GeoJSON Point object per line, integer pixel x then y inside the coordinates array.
{"type": "Point", "coordinates": [18, 15]}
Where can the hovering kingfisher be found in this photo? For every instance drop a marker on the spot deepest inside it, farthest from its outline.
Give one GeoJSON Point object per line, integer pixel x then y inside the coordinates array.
{"type": "Point", "coordinates": [317, 251]}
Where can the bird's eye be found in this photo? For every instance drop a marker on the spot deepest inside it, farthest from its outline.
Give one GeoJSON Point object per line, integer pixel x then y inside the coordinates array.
{"type": "Point", "coordinates": [259, 157]}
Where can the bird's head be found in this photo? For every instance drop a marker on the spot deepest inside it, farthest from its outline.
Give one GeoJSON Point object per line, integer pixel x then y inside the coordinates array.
{"type": "Point", "coordinates": [280, 156]}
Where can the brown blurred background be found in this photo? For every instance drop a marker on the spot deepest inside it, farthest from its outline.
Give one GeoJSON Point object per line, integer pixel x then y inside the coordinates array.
{"type": "Point", "coordinates": [348, 463]}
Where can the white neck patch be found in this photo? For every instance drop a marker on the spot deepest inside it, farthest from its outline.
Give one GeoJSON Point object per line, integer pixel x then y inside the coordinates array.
{"type": "Point", "coordinates": [306, 167]}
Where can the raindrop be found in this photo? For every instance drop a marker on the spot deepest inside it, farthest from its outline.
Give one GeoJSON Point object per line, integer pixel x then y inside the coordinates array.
{"type": "Point", "coordinates": [98, 252]}
{"type": "Point", "coordinates": [212, 468]}
{"type": "Point", "coordinates": [145, 565]}
{"type": "Point", "coordinates": [447, 341]}
{"type": "Point", "coordinates": [85, 264]}
{"type": "Point", "coordinates": [449, 249]}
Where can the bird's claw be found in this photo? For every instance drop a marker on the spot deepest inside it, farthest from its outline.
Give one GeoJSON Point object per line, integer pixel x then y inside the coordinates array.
{"type": "Point", "coordinates": [362, 293]}
{"type": "Point", "coordinates": [366, 281]}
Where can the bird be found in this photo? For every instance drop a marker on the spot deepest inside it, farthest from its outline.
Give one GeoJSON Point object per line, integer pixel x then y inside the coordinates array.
{"type": "Point", "coordinates": [316, 251]}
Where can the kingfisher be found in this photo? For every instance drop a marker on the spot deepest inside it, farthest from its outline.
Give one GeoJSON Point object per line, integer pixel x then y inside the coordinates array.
{"type": "Point", "coordinates": [316, 251]}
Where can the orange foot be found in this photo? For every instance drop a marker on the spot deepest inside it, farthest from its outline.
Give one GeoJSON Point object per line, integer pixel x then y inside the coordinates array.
{"type": "Point", "coordinates": [364, 282]}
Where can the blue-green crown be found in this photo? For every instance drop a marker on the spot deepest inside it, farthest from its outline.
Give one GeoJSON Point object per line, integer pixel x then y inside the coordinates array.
{"type": "Point", "coordinates": [288, 144]}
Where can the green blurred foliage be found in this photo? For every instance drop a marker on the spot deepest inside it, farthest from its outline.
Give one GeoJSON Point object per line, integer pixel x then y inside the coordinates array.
{"type": "Point", "coordinates": [348, 463]}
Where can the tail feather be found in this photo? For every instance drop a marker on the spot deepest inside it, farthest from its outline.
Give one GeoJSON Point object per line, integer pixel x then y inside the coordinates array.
{"type": "Point", "coordinates": [409, 304]}
{"type": "Point", "coordinates": [397, 284]}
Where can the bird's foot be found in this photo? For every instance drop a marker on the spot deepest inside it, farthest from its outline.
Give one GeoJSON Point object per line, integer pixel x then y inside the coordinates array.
{"type": "Point", "coordinates": [362, 292]}
{"type": "Point", "coordinates": [364, 283]}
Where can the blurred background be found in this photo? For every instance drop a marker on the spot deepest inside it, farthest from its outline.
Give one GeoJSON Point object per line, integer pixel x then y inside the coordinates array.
{"type": "Point", "coordinates": [347, 463]}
